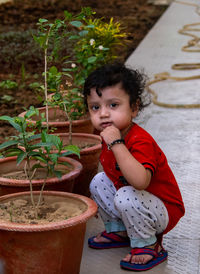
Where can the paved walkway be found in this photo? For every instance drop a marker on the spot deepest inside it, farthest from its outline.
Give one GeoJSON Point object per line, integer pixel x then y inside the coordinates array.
{"type": "Point", "coordinates": [178, 133]}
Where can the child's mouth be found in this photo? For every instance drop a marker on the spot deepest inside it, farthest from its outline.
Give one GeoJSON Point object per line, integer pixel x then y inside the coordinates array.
{"type": "Point", "coordinates": [107, 124]}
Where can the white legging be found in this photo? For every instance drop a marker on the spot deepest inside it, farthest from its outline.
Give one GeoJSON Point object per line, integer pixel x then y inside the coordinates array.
{"type": "Point", "coordinates": [138, 212]}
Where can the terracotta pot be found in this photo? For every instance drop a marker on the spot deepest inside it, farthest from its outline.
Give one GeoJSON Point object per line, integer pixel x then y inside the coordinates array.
{"type": "Point", "coordinates": [89, 158]}
{"type": "Point", "coordinates": [65, 183]}
{"type": "Point", "coordinates": [53, 248]}
{"type": "Point", "coordinates": [81, 125]}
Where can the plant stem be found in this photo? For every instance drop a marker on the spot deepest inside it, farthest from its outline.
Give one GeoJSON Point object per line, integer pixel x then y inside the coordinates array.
{"type": "Point", "coordinates": [41, 192]}
{"type": "Point", "coordinates": [70, 125]}
{"type": "Point", "coordinates": [45, 78]}
{"type": "Point", "coordinates": [30, 181]}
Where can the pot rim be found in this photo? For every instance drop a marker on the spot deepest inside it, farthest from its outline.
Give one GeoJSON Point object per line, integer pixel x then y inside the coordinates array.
{"type": "Point", "coordinates": [82, 218]}
{"type": "Point", "coordinates": [25, 183]}
{"type": "Point", "coordinates": [89, 150]}
{"type": "Point", "coordinates": [84, 120]}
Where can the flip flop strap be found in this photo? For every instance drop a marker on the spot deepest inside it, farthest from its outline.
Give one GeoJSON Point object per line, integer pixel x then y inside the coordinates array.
{"type": "Point", "coordinates": [144, 251]}
{"type": "Point", "coordinates": [113, 237]}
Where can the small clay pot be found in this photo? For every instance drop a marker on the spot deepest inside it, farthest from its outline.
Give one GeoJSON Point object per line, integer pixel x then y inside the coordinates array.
{"type": "Point", "coordinates": [89, 158]}
{"type": "Point", "coordinates": [82, 125]}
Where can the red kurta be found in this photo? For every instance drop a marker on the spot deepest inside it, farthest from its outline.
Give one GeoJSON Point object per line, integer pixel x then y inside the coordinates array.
{"type": "Point", "coordinates": [163, 183]}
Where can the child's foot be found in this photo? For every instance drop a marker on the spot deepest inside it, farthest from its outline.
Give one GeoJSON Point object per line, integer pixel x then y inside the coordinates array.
{"type": "Point", "coordinates": [143, 258]}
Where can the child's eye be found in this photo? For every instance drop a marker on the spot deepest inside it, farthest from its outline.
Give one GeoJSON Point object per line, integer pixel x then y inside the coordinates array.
{"type": "Point", "coordinates": [95, 107]}
{"type": "Point", "coordinates": [113, 105]}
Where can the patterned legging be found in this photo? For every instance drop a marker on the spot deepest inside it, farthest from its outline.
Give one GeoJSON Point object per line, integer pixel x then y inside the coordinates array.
{"type": "Point", "coordinates": [138, 212]}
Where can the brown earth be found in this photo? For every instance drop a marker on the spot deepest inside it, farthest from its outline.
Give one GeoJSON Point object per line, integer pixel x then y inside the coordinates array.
{"type": "Point", "coordinates": [136, 16]}
{"type": "Point", "coordinates": [21, 210]}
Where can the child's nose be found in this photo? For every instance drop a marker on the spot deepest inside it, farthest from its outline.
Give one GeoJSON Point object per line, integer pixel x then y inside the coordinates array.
{"type": "Point", "coordinates": [104, 112]}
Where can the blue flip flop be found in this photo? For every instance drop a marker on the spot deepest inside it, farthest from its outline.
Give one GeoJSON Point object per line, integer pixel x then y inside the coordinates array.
{"type": "Point", "coordinates": [116, 241]}
{"type": "Point", "coordinates": [158, 257]}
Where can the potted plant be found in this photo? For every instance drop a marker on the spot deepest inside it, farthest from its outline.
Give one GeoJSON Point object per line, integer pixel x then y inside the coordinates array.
{"type": "Point", "coordinates": [37, 163]}
{"type": "Point", "coordinates": [37, 225]}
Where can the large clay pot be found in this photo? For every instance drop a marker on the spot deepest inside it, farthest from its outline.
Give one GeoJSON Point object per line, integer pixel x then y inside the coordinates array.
{"type": "Point", "coordinates": [53, 248]}
{"type": "Point", "coordinates": [65, 183]}
{"type": "Point", "coordinates": [82, 125]}
{"type": "Point", "coordinates": [89, 158]}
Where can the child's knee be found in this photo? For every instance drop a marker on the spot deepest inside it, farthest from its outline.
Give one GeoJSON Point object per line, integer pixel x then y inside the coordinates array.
{"type": "Point", "coordinates": [121, 199]}
{"type": "Point", "coordinates": [96, 182]}
{"type": "Point", "coordinates": [127, 198]}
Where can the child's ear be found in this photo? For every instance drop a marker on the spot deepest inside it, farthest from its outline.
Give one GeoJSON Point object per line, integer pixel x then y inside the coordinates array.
{"type": "Point", "coordinates": [135, 109]}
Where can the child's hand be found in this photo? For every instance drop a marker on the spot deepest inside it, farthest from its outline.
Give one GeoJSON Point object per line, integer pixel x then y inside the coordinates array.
{"type": "Point", "coordinates": [110, 134]}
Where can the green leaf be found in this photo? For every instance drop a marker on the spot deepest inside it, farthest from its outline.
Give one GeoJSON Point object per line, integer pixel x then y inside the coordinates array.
{"type": "Point", "coordinates": [49, 145]}
{"type": "Point", "coordinates": [58, 173]}
{"type": "Point", "coordinates": [53, 70]}
{"type": "Point", "coordinates": [54, 157]}
{"type": "Point", "coordinates": [90, 26]}
{"type": "Point", "coordinates": [92, 59]}
{"type": "Point", "coordinates": [12, 122]}
{"type": "Point", "coordinates": [9, 143]}
{"type": "Point", "coordinates": [41, 159]}
{"type": "Point", "coordinates": [33, 137]}
{"type": "Point", "coordinates": [73, 37]}
{"type": "Point", "coordinates": [29, 113]}
{"type": "Point", "coordinates": [77, 24]}
{"type": "Point", "coordinates": [72, 149]}
{"type": "Point", "coordinates": [67, 14]}
{"type": "Point", "coordinates": [67, 74]}
{"type": "Point", "coordinates": [13, 152]}
{"type": "Point", "coordinates": [43, 20]}
{"type": "Point", "coordinates": [53, 139]}
{"type": "Point", "coordinates": [21, 157]}
{"type": "Point", "coordinates": [83, 33]}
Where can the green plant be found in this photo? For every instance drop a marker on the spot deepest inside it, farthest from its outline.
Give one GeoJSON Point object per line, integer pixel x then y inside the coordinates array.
{"type": "Point", "coordinates": [7, 98]}
{"type": "Point", "coordinates": [94, 43]}
{"type": "Point", "coordinates": [8, 84]}
{"type": "Point", "coordinates": [71, 102]}
{"type": "Point", "coordinates": [47, 31]}
{"type": "Point", "coordinates": [54, 79]}
{"type": "Point", "coordinates": [25, 147]}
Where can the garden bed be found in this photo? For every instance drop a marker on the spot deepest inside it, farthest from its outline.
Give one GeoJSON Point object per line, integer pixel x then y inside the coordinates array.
{"type": "Point", "coordinates": [20, 58]}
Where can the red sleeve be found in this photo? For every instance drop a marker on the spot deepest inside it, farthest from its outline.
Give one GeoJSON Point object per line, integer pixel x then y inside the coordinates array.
{"type": "Point", "coordinates": [144, 152]}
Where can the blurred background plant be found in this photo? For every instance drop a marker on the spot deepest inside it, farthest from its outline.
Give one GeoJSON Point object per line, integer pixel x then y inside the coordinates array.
{"type": "Point", "coordinates": [94, 43]}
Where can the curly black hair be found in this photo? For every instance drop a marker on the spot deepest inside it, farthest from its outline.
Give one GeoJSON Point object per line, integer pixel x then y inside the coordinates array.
{"type": "Point", "coordinates": [132, 81]}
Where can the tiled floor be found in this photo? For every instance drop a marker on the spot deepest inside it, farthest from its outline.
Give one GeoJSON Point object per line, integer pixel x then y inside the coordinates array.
{"type": "Point", "coordinates": [177, 131]}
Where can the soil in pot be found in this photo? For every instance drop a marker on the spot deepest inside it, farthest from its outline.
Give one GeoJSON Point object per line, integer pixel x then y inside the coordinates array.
{"type": "Point", "coordinates": [52, 209]}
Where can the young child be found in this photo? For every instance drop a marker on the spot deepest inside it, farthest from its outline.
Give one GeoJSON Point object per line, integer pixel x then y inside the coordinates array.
{"type": "Point", "coordinates": [137, 195]}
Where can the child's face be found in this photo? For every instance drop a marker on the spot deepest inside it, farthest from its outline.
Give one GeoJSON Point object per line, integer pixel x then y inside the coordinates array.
{"type": "Point", "coordinates": [112, 108]}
